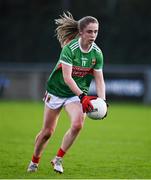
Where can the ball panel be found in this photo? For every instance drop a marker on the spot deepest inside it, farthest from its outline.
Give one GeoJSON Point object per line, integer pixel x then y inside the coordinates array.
{"type": "Point", "coordinates": [99, 110]}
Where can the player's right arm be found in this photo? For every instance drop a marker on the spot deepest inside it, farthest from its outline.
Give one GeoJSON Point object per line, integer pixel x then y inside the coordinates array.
{"type": "Point", "coordinates": [67, 76]}
{"type": "Point", "coordinates": [66, 59]}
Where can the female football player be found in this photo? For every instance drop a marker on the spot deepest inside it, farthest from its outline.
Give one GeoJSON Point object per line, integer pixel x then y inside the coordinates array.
{"type": "Point", "coordinates": [80, 61]}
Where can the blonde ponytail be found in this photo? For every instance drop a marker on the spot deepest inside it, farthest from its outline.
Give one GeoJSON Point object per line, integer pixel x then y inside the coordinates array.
{"type": "Point", "coordinates": [67, 28]}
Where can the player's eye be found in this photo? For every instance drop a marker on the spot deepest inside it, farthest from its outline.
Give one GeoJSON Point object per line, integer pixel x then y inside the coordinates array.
{"type": "Point", "coordinates": [96, 31]}
{"type": "Point", "coordinates": [90, 31]}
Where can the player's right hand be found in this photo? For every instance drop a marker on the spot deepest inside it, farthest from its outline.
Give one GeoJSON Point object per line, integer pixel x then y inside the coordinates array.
{"type": "Point", "coordinates": [86, 102]}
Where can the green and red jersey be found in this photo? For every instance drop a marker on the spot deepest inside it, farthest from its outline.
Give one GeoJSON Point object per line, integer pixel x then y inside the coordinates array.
{"type": "Point", "coordinates": [83, 64]}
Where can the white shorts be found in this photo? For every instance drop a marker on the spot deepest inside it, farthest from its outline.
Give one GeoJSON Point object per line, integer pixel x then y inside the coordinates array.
{"type": "Point", "coordinates": [55, 102]}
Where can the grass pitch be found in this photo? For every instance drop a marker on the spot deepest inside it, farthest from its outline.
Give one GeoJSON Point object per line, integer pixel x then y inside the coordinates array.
{"type": "Point", "coordinates": [115, 148]}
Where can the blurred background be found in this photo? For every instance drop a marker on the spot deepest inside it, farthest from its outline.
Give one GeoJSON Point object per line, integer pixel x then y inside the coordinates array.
{"type": "Point", "coordinates": [29, 48]}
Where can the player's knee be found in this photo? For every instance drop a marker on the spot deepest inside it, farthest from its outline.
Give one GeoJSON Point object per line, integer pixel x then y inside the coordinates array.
{"type": "Point", "coordinates": [77, 126]}
{"type": "Point", "coordinates": [77, 123]}
{"type": "Point", "coordinates": [47, 133]}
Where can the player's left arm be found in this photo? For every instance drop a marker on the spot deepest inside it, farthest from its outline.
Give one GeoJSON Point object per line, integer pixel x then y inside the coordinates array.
{"type": "Point", "coordinates": [100, 84]}
{"type": "Point", "coordinates": [100, 87]}
{"type": "Point", "coordinates": [98, 75]}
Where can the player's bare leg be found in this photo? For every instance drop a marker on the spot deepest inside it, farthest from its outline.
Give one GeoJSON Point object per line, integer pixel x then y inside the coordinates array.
{"type": "Point", "coordinates": [77, 117]}
{"type": "Point", "coordinates": [49, 125]}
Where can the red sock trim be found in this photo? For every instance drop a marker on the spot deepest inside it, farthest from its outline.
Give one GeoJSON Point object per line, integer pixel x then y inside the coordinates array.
{"type": "Point", "coordinates": [35, 159]}
{"type": "Point", "coordinates": [60, 153]}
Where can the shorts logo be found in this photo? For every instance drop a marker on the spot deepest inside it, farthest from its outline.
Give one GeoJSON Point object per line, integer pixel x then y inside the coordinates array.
{"type": "Point", "coordinates": [48, 99]}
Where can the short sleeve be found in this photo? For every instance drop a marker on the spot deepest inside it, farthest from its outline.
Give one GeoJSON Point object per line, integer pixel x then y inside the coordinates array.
{"type": "Point", "coordinates": [99, 61]}
{"type": "Point", "coordinates": [66, 56]}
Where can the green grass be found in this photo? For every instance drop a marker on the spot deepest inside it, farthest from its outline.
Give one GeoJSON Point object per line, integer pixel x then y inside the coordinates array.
{"type": "Point", "coordinates": [118, 147]}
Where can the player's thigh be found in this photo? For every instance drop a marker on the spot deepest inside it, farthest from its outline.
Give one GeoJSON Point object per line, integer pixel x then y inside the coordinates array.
{"type": "Point", "coordinates": [50, 117]}
{"type": "Point", "coordinates": [75, 112]}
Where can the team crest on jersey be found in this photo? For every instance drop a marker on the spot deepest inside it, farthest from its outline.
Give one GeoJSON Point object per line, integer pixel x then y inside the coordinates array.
{"type": "Point", "coordinates": [93, 61]}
